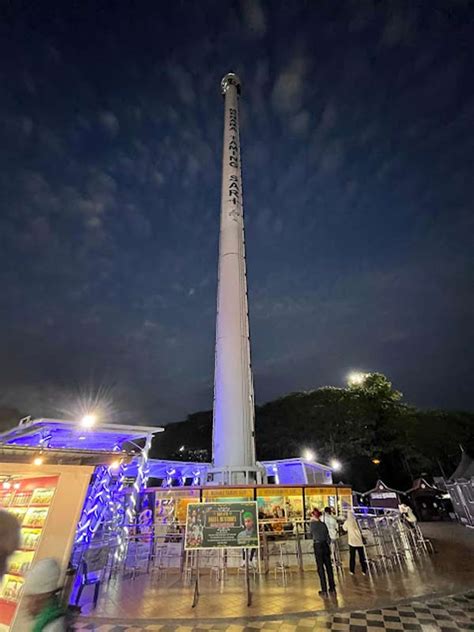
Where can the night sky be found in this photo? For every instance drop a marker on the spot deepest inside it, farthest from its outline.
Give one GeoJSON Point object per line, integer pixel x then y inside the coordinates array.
{"type": "Point", "coordinates": [357, 148]}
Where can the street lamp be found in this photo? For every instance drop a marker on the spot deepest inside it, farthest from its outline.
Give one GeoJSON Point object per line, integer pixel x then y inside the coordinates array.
{"type": "Point", "coordinates": [335, 464]}
{"type": "Point", "coordinates": [356, 378]}
{"type": "Point", "coordinates": [88, 420]}
{"type": "Point", "coordinates": [376, 461]}
{"type": "Point", "coordinates": [309, 455]}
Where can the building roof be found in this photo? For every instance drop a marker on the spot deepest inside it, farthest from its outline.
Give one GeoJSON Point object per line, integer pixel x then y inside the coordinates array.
{"type": "Point", "coordinates": [27, 454]}
{"type": "Point", "coordinates": [380, 486]}
{"type": "Point", "coordinates": [420, 484]}
{"type": "Point", "coordinates": [160, 468]}
{"type": "Point", "coordinates": [60, 434]}
{"type": "Point", "coordinates": [294, 460]}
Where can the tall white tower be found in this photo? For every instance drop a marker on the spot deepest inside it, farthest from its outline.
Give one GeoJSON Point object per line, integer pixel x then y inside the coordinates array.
{"type": "Point", "coordinates": [234, 411]}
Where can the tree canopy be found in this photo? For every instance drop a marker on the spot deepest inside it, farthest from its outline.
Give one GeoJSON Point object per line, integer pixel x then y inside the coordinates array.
{"type": "Point", "coordinates": [358, 425]}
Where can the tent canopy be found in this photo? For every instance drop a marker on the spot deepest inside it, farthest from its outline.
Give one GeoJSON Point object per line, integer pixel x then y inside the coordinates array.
{"type": "Point", "coordinates": [465, 469]}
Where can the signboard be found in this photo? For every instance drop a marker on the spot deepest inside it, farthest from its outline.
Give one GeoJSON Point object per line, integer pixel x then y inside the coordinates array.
{"type": "Point", "coordinates": [144, 526]}
{"type": "Point", "coordinates": [382, 495]}
{"type": "Point", "coordinates": [233, 494]}
{"type": "Point", "coordinates": [221, 525]}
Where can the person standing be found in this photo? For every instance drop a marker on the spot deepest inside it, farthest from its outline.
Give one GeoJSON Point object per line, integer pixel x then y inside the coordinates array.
{"type": "Point", "coordinates": [9, 538]}
{"type": "Point", "coordinates": [322, 553]}
{"type": "Point", "coordinates": [333, 528]}
{"type": "Point", "coordinates": [356, 543]}
{"type": "Point", "coordinates": [408, 516]}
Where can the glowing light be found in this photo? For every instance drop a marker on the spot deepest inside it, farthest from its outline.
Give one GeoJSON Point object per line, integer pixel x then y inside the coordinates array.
{"type": "Point", "coordinates": [376, 461]}
{"type": "Point", "coordinates": [139, 483]}
{"type": "Point", "coordinates": [16, 485]}
{"type": "Point", "coordinates": [181, 448]}
{"type": "Point", "coordinates": [336, 465]}
{"type": "Point", "coordinates": [95, 506]}
{"type": "Point", "coordinates": [309, 455]}
{"type": "Point", "coordinates": [6, 485]}
{"type": "Point", "coordinates": [356, 378]}
{"type": "Point", "coordinates": [115, 465]}
{"type": "Point", "coordinates": [88, 421]}
{"type": "Point", "coordinates": [38, 460]}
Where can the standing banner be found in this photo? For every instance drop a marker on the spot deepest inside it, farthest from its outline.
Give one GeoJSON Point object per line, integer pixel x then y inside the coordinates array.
{"type": "Point", "coordinates": [221, 525]}
{"type": "Point", "coordinates": [144, 516]}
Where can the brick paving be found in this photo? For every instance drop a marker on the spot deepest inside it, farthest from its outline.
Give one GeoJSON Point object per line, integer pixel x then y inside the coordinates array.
{"type": "Point", "coordinates": [444, 614]}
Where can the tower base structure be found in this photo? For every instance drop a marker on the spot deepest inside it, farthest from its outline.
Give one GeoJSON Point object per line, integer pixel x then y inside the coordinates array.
{"type": "Point", "coordinates": [237, 475]}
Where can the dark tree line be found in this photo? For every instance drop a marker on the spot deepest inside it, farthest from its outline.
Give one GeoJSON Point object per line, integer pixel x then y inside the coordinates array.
{"type": "Point", "coordinates": [357, 425]}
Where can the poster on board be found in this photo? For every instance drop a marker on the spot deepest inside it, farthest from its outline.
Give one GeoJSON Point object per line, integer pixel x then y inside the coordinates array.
{"type": "Point", "coordinates": [221, 525]}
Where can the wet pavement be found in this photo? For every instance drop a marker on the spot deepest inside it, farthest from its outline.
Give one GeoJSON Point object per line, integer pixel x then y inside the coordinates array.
{"type": "Point", "coordinates": [448, 614]}
{"type": "Point", "coordinates": [167, 603]}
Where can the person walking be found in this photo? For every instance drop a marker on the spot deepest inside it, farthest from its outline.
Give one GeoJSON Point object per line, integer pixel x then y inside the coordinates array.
{"type": "Point", "coordinates": [322, 553]}
{"type": "Point", "coordinates": [41, 594]}
{"type": "Point", "coordinates": [356, 543]}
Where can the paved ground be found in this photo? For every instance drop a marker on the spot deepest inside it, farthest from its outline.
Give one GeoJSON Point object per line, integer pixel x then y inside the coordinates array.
{"type": "Point", "coordinates": [444, 614]}
{"type": "Point", "coordinates": [361, 601]}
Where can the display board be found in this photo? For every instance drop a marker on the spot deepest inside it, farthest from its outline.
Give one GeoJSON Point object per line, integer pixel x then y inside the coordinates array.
{"type": "Point", "coordinates": [279, 508]}
{"type": "Point", "coordinates": [231, 495]}
{"type": "Point", "coordinates": [171, 504]}
{"type": "Point", "coordinates": [221, 525]}
{"type": "Point", "coordinates": [319, 498]}
{"type": "Point", "coordinates": [29, 499]}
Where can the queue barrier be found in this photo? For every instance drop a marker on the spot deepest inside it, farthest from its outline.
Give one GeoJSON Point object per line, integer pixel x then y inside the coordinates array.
{"type": "Point", "coordinates": [288, 549]}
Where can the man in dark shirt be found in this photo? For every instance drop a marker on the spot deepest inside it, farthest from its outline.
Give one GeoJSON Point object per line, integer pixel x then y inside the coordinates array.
{"type": "Point", "coordinates": [322, 553]}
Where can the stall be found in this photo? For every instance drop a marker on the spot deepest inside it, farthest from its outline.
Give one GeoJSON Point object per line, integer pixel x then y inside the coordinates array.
{"type": "Point", "coordinates": [384, 497]}
{"type": "Point", "coordinates": [427, 501]}
{"type": "Point", "coordinates": [60, 479]}
{"type": "Point", "coordinates": [461, 490]}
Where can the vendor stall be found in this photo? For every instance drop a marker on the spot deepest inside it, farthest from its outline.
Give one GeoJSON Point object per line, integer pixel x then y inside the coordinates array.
{"type": "Point", "coordinates": [384, 497]}
{"type": "Point", "coordinates": [427, 501]}
{"type": "Point", "coordinates": [60, 479]}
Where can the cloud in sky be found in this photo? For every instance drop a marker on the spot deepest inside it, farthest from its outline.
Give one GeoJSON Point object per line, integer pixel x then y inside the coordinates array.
{"type": "Point", "coordinates": [254, 17]}
{"type": "Point", "coordinates": [356, 145]}
{"type": "Point", "coordinates": [109, 122]}
{"type": "Point", "coordinates": [288, 90]}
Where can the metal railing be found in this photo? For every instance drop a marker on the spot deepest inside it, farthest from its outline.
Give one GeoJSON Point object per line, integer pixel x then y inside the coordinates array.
{"type": "Point", "coordinates": [285, 548]}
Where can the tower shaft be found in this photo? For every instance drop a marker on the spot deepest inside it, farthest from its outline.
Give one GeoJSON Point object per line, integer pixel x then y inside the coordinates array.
{"type": "Point", "coordinates": [234, 410]}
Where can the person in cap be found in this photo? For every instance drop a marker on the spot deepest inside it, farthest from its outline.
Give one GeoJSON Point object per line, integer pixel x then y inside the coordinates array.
{"type": "Point", "coordinates": [9, 538]}
{"type": "Point", "coordinates": [322, 553]}
{"type": "Point", "coordinates": [248, 536]}
{"type": "Point", "coordinates": [41, 597]}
